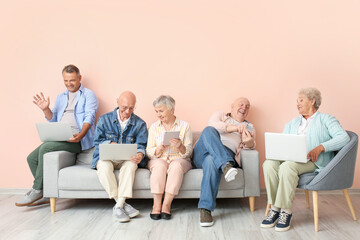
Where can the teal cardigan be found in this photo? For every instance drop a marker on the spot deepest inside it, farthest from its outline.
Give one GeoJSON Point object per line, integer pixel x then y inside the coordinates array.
{"type": "Point", "coordinates": [324, 129]}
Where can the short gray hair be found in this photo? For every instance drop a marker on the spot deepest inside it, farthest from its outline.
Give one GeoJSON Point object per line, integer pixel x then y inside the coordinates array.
{"type": "Point", "coordinates": [312, 93]}
{"type": "Point", "coordinates": [166, 100]}
{"type": "Point", "coordinates": [70, 69]}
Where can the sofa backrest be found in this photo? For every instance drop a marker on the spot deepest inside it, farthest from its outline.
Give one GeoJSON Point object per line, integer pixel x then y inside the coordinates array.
{"type": "Point", "coordinates": [85, 157]}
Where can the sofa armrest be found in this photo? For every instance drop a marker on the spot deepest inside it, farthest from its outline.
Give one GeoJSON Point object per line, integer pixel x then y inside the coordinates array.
{"type": "Point", "coordinates": [251, 167]}
{"type": "Point", "coordinates": [53, 162]}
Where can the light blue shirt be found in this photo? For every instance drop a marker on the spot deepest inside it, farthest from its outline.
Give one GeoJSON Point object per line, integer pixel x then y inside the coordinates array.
{"type": "Point", "coordinates": [85, 107]}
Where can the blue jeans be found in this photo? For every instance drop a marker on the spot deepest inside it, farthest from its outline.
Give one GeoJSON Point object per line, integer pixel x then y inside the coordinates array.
{"type": "Point", "coordinates": [210, 154]}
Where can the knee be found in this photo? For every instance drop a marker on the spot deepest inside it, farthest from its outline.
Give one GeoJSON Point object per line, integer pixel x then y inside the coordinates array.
{"type": "Point", "coordinates": [210, 131]}
{"type": "Point", "coordinates": [158, 165]}
{"type": "Point", "coordinates": [287, 168]}
{"type": "Point", "coordinates": [104, 166]}
{"type": "Point", "coordinates": [176, 167]}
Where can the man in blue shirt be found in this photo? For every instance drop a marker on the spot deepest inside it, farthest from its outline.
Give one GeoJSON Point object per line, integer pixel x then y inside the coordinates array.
{"type": "Point", "coordinates": [78, 106]}
{"type": "Point", "coordinates": [120, 126]}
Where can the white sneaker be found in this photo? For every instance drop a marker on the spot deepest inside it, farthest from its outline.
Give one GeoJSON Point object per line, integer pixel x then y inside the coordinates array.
{"type": "Point", "coordinates": [130, 211]}
{"type": "Point", "coordinates": [120, 214]}
{"type": "Point", "coordinates": [42, 201]}
{"type": "Point", "coordinates": [30, 197]}
{"type": "Point", "coordinates": [230, 172]}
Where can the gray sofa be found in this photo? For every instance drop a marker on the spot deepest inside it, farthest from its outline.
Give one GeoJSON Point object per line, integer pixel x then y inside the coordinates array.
{"type": "Point", "coordinates": [68, 175]}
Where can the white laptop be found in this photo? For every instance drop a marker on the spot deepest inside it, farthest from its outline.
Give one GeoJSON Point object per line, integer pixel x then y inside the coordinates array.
{"type": "Point", "coordinates": [117, 152]}
{"type": "Point", "coordinates": [286, 147]}
{"type": "Point", "coordinates": [54, 131]}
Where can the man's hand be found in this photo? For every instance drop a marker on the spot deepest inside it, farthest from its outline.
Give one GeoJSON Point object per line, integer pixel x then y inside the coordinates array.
{"type": "Point", "coordinates": [76, 138]}
{"type": "Point", "coordinates": [137, 158]}
{"type": "Point", "coordinates": [314, 154]}
{"type": "Point", "coordinates": [241, 128]}
{"type": "Point", "coordinates": [41, 102]}
{"type": "Point", "coordinates": [247, 138]}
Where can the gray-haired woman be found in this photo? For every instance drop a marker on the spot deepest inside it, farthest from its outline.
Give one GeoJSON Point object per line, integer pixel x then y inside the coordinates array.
{"type": "Point", "coordinates": [324, 135]}
{"type": "Point", "coordinates": [168, 163]}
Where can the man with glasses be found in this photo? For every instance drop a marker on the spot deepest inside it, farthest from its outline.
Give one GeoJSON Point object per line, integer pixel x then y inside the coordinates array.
{"type": "Point", "coordinates": [121, 126]}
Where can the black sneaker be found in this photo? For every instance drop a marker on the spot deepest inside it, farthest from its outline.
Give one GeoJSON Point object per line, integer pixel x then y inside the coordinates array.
{"type": "Point", "coordinates": [271, 219]}
{"type": "Point", "coordinates": [284, 222]}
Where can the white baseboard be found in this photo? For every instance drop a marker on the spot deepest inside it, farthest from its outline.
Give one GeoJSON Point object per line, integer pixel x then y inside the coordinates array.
{"type": "Point", "coordinates": [21, 191]}
{"type": "Point", "coordinates": [14, 191]}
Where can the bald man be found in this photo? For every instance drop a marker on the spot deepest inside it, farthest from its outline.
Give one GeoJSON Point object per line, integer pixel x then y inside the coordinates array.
{"type": "Point", "coordinates": [217, 152]}
{"type": "Point", "coordinates": [121, 126]}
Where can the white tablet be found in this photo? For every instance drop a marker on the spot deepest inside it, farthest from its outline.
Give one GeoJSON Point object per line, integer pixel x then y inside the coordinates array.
{"type": "Point", "coordinates": [170, 135]}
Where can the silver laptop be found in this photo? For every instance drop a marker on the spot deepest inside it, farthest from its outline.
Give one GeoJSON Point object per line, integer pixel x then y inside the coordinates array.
{"type": "Point", "coordinates": [286, 147]}
{"type": "Point", "coordinates": [54, 131]}
{"type": "Point", "coordinates": [117, 152]}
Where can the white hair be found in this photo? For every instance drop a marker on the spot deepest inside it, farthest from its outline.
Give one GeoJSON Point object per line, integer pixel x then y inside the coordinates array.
{"type": "Point", "coordinates": [166, 100]}
{"type": "Point", "coordinates": [312, 93]}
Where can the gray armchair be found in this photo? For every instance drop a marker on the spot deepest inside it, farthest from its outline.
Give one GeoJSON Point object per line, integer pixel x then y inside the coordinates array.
{"type": "Point", "coordinates": [337, 175]}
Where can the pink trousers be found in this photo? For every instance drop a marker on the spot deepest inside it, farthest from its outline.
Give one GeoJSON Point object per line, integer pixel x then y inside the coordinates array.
{"type": "Point", "coordinates": [167, 176]}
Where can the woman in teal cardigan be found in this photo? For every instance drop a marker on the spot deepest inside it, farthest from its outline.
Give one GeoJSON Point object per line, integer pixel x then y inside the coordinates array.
{"type": "Point", "coordinates": [324, 135]}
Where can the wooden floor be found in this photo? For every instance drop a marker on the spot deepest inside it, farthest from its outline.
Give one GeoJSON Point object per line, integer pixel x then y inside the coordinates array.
{"type": "Point", "coordinates": [92, 219]}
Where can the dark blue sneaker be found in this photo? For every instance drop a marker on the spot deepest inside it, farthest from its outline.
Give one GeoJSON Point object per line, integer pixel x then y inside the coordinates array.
{"type": "Point", "coordinates": [271, 219]}
{"type": "Point", "coordinates": [284, 222]}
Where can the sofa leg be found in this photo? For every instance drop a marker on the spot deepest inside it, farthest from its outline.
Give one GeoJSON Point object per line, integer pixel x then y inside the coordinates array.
{"type": "Point", "coordinates": [52, 204]}
{"type": "Point", "coordinates": [252, 203]}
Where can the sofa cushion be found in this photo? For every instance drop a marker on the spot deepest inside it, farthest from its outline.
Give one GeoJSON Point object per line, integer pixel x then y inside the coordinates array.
{"type": "Point", "coordinates": [82, 177]}
{"type": "Point", "coordinates": [85, 157]}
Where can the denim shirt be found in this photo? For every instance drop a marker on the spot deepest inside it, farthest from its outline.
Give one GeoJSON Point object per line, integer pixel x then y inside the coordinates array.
{"type": "Point", "coordinates": [86, 105]}
{"type": "Point", "coordinates": [108, 130]}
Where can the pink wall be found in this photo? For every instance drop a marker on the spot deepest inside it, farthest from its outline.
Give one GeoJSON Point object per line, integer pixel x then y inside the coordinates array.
{"type": "Point", "coordinates": [203, 53]}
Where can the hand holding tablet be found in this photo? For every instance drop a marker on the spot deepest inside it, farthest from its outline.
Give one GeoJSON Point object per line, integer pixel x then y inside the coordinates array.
{"type": "Point", "coordinates": [170, 135]}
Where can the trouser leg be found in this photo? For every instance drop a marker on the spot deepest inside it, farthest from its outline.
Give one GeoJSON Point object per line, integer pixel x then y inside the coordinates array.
{"type": "Point", "coordinates": [158, 169]}
{"type": "Point", "coordinates": [177, 169]}
{"type": "Point", "coordinates": [288, 180]}
{"type": "Point", "coordinates": [105, 172]}
{"type": "Point", "coordinates": [209, 184]}
{"type": "Point", "coordinates": [36, 158]}
{"type": "Point", "coordinates": [210, 143]}
{"type": "Point", "coordinates": [126, 179]}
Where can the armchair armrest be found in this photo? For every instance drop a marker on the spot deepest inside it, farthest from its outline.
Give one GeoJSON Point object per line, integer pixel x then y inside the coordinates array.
{"type": "Point", "coordinates": [53, 162]}
{"type": "Point", "coordinates": [251, 167]}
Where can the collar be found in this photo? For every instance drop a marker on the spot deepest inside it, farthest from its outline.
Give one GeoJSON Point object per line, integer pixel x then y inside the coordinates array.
{"type": "Point", "coordinates": [176, 122]}
{"type": "Point", "coordinates": [310, 118]}
{"type": "Point", "coordinates": [228, 115]}
{"type": "Point", "coordinates": [116, 120]}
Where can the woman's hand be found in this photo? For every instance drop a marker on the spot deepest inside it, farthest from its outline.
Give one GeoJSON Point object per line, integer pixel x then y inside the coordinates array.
{"type": "Point", "coordinates": [314, 154]}
{"type": "Point", "coordinates": [159, 150]}
{"type": "Point", "coordinates": [176, 142]}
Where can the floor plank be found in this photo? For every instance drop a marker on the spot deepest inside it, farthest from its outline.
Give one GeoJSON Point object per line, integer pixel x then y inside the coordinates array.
{"type": "Point", "coordinates": [79, 219]}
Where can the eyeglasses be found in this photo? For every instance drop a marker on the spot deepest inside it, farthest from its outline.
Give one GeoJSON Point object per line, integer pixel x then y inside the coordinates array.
{"type": "Point", "coordinates": [124, 108]}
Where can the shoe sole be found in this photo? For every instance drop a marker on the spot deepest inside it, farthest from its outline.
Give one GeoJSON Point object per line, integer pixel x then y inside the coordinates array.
{"type": "Point", "coordinates": [122, 220]}
{"type": "Point", "coordinates": [134, 214]}
{"type": "Point", "coordinates": [283, 229]}
{"type": "Point", "coordinates": [207, 224]}
{"type": "Point", "coordinates": [39, 203]}
{"type": "Point", "coordinates": [27, 204]}
{"type": "Point", "coordinates": [230, 175]}
{"type": "Point", "coordinates": [268, 225]}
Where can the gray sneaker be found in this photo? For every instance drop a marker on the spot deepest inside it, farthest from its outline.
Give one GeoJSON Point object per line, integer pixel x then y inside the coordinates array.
{"type": "Point", "coordinates": [30, 197]}
{"type": "Point", "coordinates": [229, 172]}
{"type": "Point", "coordinates": [42, 201]}
{"type": "Point", "coordinates": [206, 219]}
{"type": "Point", "coordinates": [130, 211]}
{"type": "Point", "coordinates": [120, 214]}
